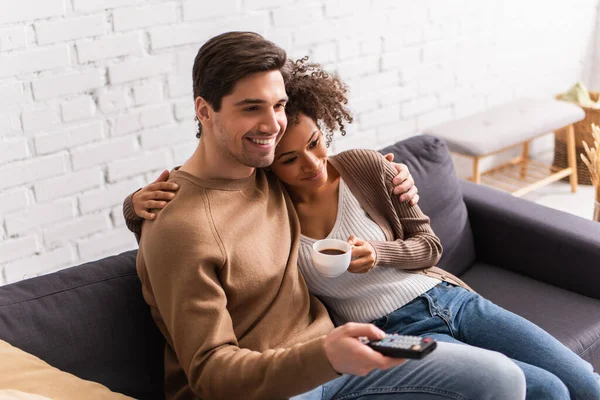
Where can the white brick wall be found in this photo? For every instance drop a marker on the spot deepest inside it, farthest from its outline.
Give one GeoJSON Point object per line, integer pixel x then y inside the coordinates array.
{"type": "Point", "coordinates": [69, 184]}
{"type": "Point", "coordinates": [95, 95]}
{"type": "Point", "coordinates": [40, 59]}
{"type": "Point", "coordinates": [29, 10]}
{"type": "Point", "coordinates": [13, 38]}
{"type": "Point", "coordinates": [109, 47]}
{"type": "Point", "coordinates": [129, 18]}
{"type": "Point", "coordinates": [139, 69]}
{"type": "Point", "coordinates": [108, 196]}
{"type": "Point", "coordinates": [80, 108]}
{"type": "Point", "coordinates": [13, 149]}
{"type": "Point", "coordinates": [14, 249]}
{"type": "Point", "coordinates": [10, 94]}
{"type": "Point", "coordinates": [15, 199]}
{"type": "Point", "coordinates": [102, 153]}
{"type": "Point", "coordinates": [69, 29]}
{"type": "Point", "coordinates": [67, 84]}
{"type": "Point", "coordinates": [98, 5]}
{"type": "Point", "coordinates": [39, 215]}
{"type": "Point", "coordinates": [30, 171]}
{"type": "Point", "coordinates": [68, 138]}
{"type": "Point", "coordinates": [39, 264]}
{"type": "Point", "coordinates": [64, 232]}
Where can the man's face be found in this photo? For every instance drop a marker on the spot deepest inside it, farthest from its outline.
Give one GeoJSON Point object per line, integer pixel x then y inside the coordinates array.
{"type": "Point", "coordinates": [252, 119]}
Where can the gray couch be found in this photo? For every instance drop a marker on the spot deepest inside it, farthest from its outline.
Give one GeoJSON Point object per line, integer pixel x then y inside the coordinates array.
{"type": "Point", "coordinates": [91, 320]}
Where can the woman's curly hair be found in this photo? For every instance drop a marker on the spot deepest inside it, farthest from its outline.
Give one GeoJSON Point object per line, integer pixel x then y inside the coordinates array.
{"type": "Point", "coordinates": [318, 95]}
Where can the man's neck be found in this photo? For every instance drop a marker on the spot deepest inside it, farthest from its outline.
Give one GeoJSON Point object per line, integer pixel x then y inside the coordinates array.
{"type": "Point", "coordinates": [210, 163]}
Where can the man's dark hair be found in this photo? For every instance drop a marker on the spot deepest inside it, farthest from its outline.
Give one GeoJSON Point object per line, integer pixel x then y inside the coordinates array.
{"type": "Point", "coordinates": [227, 58]}
{"type": "Point", "coordinates": [319, 95]}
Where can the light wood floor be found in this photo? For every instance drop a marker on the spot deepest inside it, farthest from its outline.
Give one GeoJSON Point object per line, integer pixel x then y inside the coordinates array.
{"type": "Point", "coordinates": [556, 195]}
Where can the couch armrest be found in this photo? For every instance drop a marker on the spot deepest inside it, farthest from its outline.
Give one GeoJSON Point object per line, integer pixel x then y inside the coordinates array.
{"type": "Point", "coordinates": [545, 244]}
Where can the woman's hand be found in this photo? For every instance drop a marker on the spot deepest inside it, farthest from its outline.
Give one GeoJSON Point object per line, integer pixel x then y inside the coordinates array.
{"type": "Point", "coordinates": [154, 196]}
{"type": "Point", "coordinates": [404, 184]}
{"type": "Point", "coordinates": [363, 256]}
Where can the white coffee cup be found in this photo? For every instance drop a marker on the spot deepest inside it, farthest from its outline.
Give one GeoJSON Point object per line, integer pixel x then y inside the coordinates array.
{"type": "Point", "coordinates": [331, 265]}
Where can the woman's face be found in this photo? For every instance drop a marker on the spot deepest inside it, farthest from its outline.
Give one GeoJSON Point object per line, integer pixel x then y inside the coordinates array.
{"type": "Point", "coordinates": [301, 156]}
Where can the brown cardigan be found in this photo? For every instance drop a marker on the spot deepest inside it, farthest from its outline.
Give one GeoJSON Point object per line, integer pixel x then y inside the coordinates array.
{"type": "Point", "coordinates": [411, 244]}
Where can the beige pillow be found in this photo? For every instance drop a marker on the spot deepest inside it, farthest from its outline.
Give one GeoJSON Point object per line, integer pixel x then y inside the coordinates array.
{"type": "Point", "coordinates": [18, 395]}
{"type": "Point", "coordinates": [21, 371]}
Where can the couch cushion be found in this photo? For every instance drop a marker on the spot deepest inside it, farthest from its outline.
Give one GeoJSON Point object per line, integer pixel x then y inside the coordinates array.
{"type": "Point", "coordinates": [572, 318]}
{"type": "Point", "coordinates": [441, 199]}
{"type": "Point", "coordinates": [27, 373]}
{"type": "Point", "coordinates": [91, 321]}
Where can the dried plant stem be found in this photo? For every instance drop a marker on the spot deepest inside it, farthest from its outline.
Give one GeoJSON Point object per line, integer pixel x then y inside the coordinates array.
{"type": "Point", "coordinates": [591, 159]}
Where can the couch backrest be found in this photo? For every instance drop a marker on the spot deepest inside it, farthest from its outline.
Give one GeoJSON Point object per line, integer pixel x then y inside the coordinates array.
{"type": "Point", "coordinates": [441, 198]}
{"type": "Point", "coordinates": [91, 321]}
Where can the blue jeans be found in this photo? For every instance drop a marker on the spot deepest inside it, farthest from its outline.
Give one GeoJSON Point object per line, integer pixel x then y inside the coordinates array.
{"type": "Point", "coordinates": [448, 372]}
{"type": "Point", "coordinates": [452, 314]}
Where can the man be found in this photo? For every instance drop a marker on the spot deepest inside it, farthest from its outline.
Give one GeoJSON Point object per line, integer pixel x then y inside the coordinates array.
{"type": "Point", "coordinates": [218, 266]}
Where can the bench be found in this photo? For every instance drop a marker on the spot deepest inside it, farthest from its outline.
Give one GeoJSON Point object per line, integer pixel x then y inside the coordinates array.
{"type": "Point", "coordinates": [508, 126]}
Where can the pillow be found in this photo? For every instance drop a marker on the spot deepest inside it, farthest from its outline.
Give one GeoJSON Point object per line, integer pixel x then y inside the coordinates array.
{"type": "Point", "coordinates": [24, 372]}
{"type": "Point", "coordinates": [432, 168]}
{"type": "Point", "coordinates": [18, 395]}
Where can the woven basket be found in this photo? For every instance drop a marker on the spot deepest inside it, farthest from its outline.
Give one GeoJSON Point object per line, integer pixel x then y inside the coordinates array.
{"type": "Point", "coordinates": [583, 132]}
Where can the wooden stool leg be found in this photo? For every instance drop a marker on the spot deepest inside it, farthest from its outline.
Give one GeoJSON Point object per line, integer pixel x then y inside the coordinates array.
{"type": "Point", "coordinates": [524, 159]}
{"type": "Point", "coordinates": [476, 172]}
{"type": "Point", "coordinates": [572, 157]}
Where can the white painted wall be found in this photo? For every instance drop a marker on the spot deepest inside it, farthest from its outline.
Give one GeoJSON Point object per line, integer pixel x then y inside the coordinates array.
{"type": "Point", "coordinates": [95, 95]}
{"type": "Point", "coordinates": [594, 65]}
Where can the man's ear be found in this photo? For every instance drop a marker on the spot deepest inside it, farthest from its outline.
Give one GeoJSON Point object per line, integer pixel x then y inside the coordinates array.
{"type": "Point", "coordinates": [203, 110]}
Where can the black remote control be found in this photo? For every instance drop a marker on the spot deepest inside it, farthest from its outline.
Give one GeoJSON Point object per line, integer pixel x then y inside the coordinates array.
{"type": "Point", "coordinates": [402, 346]}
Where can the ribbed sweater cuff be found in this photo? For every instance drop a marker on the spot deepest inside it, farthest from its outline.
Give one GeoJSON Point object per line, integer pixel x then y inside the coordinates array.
{"type": "Point", "coordinates": [132, 220]}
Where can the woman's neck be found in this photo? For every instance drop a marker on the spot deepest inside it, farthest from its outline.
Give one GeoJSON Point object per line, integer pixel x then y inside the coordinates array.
{"type": "Point", "coordinates": [312, 196]}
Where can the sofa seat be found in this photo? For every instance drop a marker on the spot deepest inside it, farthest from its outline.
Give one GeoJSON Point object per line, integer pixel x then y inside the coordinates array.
{"type": "Point", "coordinates": [572, 318]}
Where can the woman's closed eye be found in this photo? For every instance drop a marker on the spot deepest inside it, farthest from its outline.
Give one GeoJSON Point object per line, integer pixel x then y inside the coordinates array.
{"type": "Point", "coordinates": [289, 160]}
{"type": "Point", "coordinates": [314, 143]}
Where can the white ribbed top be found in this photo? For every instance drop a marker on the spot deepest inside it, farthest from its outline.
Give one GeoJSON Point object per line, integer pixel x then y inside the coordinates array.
{"type": "Point", "coordinates": [359, 297]}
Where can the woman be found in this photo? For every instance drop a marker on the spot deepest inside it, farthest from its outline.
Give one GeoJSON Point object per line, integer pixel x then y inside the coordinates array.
{"type": "Point", "coordinates": [391, 280]}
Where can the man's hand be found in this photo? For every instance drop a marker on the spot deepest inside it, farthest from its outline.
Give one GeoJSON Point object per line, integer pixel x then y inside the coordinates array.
{"type": "Point", "coordinates": [348, 355]}
{"type": "Point", "coordinates": [404, 184]}
{"type": "Point", "coordinates": [363, 256]}
{"type": "Point", "coordinates": [155, 195]}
